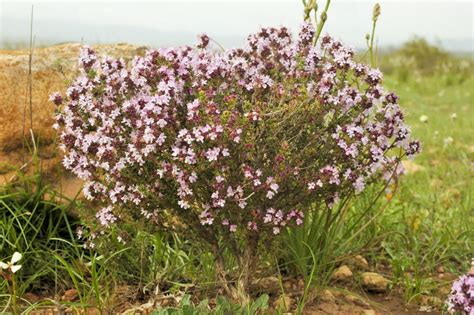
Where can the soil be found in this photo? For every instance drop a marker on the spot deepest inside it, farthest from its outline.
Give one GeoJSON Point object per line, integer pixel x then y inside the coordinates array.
{"type": "Point", "coordinates": [378, 305]}
{"type": "Point", "coordinates": [342, 302]}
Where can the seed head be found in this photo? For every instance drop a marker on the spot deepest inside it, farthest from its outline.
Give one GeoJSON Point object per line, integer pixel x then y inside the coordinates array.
{"type": "Point", "coordinates": [376, 12]}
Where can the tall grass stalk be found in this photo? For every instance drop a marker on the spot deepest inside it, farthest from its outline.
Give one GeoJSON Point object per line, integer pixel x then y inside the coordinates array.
{"type": "Point", "coordinates": [375, 15]}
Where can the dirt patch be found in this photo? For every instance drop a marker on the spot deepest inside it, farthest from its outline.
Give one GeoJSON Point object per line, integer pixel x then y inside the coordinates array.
{"type": "Point", "coordinates": [377, 305]}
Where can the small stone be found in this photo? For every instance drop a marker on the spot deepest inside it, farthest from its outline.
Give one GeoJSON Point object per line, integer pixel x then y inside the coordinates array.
{"type": "Point", "coordinates": [368, 312]}
{"type": "Point", "coordinates": [440, 269]}
{"type": "Point", "coordinates": [360, 262]}
{"type": "Point", "coordinates": [374, 282]}
{"type": "Point", "coordinates": [70, 295]}
{"type": "Point", "coordinates": [355, 300]}
{"type": "Point", "coordinates": [342, 274]}
{"type": "Point", "coordinates": [283, 303]}
{"type": "Point", "coordinates": [327, 296]}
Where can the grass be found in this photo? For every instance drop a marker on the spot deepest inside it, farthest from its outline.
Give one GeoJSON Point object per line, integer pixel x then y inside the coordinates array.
{"type": "Point", "coordinates": [425, 229]}
{"type": "Point", "coordinates": [432, 216]}
{"type": "Point", "coordinates": [32, 223]}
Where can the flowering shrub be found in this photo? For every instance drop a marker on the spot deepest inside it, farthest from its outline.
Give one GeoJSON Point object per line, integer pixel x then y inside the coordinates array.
{"type": "Point", "coordinates": [234, 145]}
{"type": "Point", "coordinates": [461, 298]}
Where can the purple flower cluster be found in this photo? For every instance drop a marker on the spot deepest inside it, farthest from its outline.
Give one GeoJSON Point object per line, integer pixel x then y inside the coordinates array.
{"type": "Point", "coordinates": [244, 140]}
{"type": "Point", "coordinates": [461, 298]}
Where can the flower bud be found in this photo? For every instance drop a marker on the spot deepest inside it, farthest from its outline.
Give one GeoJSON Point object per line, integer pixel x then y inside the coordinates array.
{"type": "Point", "coordinates": [203, 41]}
{"type": "Point", "coordinates": [56, 98]}
{"type": "Point", "coordinates": [376, 12]}
{"type": "Point", "coordinates": [324, 16]}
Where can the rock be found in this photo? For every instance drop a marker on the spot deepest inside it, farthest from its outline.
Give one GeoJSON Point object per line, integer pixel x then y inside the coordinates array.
{"type": "Point", "coordinates": [283, 303]}
{"type": "Point", "coordinates": [440, 269]}
{"type": "Point", "coordinates": [360, 262]}
{"type": "Point", "coordinates": [374, 282]}
{"type": "Point", "coordinates": [70, 295]}
{"type": "Point", "coordinates": [52, 68]}
{"type": "Point", "coordinates": [368, 312]}
{"type": "Point", "coordinates": [350, 298]}
{"type": "Point", "coordinates": [342, 274]}
{"type": "Point", "coordinates": [327, 296]}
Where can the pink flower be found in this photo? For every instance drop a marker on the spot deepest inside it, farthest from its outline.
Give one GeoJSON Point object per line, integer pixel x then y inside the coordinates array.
{"type": "Point", "coordinates": [106, 217]}
{"type": "Point", "coordinates": [461, 298]}
{"type": "Point", "coordinates": [212, 154]}
{"type": "Point", "coordinates": [270, 194]}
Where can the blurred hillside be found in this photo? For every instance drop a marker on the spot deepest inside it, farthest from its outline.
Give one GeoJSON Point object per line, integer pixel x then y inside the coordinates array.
{"type": "Point", "coordinates": [418, 57]}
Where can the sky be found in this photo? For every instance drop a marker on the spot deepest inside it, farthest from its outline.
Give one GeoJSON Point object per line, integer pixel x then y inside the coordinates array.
{"type": "Point", "coordinates": [173, 23]}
